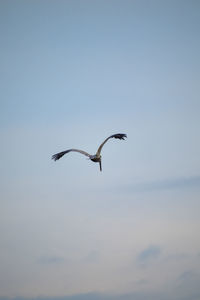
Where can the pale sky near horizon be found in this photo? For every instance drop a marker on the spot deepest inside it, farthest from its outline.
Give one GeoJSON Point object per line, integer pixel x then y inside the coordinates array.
{"type": "Point", "coordinates": [71, 74]}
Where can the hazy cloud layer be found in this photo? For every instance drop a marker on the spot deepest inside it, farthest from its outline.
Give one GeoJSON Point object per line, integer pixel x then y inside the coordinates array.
{"type": "Point", "coordinates": [132, 296]}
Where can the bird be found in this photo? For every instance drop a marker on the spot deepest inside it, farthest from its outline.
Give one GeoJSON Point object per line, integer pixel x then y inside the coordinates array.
{"type": "Point", "coordinates": [96, 157]}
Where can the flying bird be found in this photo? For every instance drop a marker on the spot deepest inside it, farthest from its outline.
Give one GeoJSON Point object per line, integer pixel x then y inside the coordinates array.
{"type": "Point", "coordinates": [96, 157]}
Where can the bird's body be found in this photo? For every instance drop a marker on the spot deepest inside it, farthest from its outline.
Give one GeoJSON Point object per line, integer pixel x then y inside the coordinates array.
{"type": "Point", "coordinates": [96, 157]}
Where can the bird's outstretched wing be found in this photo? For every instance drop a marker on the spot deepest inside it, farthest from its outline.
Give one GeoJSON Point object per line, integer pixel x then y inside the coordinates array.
{"type": "Point", "coordinates": [60, 154]}
{"type": "Point", "coordinates": [120, 136]}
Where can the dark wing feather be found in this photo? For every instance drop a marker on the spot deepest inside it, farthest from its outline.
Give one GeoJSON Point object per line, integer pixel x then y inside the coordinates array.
{"type": "Point", "coordinates": [60, 154]}
{"type": "Point", "coordinates": [120, 136]}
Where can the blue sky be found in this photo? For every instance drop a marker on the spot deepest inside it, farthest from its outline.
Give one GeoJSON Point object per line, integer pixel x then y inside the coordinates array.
{"type": "Point", "coordinates": [73, 73]}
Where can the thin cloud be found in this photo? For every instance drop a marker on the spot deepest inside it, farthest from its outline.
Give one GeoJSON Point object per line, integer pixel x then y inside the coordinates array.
{"type": "Point", "coordinates": [49, 260]}
{"type": "Point", "coordinates": [177, 257]}
{"type": "Point", "coordinates": [149, 254]}
{"type": "Point", "coordinates": [189, 276]}
{"type": "Point", "coordinates": [92, 257]}
{"type": "Point", "coordinates": [188, 283]}
{"type": "Point", "coordinates": [166, 184]}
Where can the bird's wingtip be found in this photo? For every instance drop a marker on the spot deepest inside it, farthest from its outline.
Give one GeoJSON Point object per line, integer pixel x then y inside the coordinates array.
{"type": "Point", "coordinates": [120, 136]}
{"type": "Point", "coordinates": [54, 157]}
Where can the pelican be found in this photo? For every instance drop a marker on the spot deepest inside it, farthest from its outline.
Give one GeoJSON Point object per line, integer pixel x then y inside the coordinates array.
{"type": "Point", "coordinates": [96, 157]}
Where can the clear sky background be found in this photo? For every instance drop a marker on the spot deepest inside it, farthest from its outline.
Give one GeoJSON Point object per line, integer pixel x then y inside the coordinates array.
{"type": "Point", "coordinates": [71, 74]}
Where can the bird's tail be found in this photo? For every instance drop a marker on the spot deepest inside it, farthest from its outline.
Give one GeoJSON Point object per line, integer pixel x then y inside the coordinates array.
{"type": "Point", "coordinates": [100, 165]}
